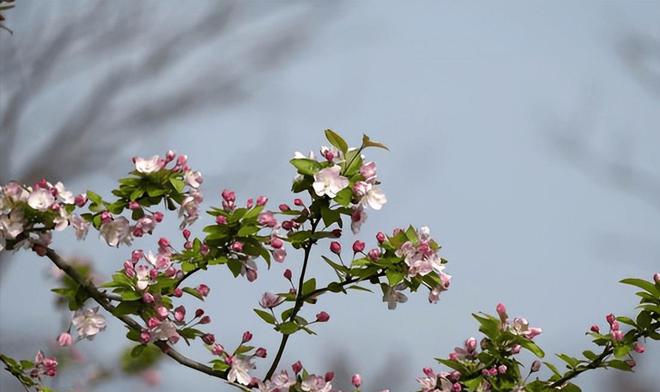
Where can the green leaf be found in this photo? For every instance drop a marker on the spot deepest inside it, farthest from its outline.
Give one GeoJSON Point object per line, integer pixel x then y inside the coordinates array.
{"type": "Point", "coordinates": [622, 350]}
{"type": "Point", "coordinates": [266, 316]}
{"type": "Point", "coordinates": [193, 292]}
{"type": "Point", "coordinates": [288, 328]}
{"type": "Point", "coordinates": [247, 231]}
{"type": "Point", "coordinates": [94, 197]}
{"type": "Point", "coordinates": [533, 347]}
{"type": "Point", "coordinates": [129, 295]}
{"type": "Point", "coordinates": [343, 197]}
{"type": "Point", "coordinates": [366, 142]}
{"type": "Point", "coordinates": [643, 284]}
{"type": "Point", "coordinates": [394, 277]}
{"type": "Point", "coordinates": [572, 362]}
{"type": "Point", "coordinates": [137, 350]}
{"type": "Point", "coordinates": [306, 165]}
{"type": "Point", "coordinates": [309, 286]}
{"type": "Point", "coordinates": [619, 364]}
{"type": "Point", "coordinates": [178, 184]}
{"type": "Point", "coordinates": [336, 140]}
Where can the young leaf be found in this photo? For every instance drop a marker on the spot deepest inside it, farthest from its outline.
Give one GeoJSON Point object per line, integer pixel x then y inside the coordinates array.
{"type": "Point", "coordinates": [336, 140]}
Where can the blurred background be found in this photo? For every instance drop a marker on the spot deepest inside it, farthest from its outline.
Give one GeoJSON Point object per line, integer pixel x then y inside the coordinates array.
{"type": "Point", "coordinates": [525, 134]}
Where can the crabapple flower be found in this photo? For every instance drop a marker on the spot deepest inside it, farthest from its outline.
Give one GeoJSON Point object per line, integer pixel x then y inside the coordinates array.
{"type": "Point", "coordinates": [41, 199]}
{"type": "Point", "coordinates": [392, 296]}
{"type": "Point", "coordinates": [314, 383]}
{"type": "Point", "coordinates": [373, 197]}
{"type": "Point", "coordinates": [81, 227]}
{"type": "Point", "coordinates": [64, 195]}
{"type": "Point", "coordinates": [44, 365]}
{"type": "Point", "coordinates": [64, 339]}
{"type": "Point", "coordinates": [148, 165]}
{"type": "Point", "coordinates": [239, 371]}
{"type": "Point", "coordinates": [270, 300]}
{"type": "Point", "coordinates": [194, 179]}
{"type": "Point", "coordinates": [116, 232]}
{"type": "Point", "coordinates": [358, 217]}
{"type": "Point", "coordinates": [368, 171]}
{"type": "Point", "coordinates": [280, 382]}
{"type": "Point", "coordinates": [328, 181]}
{"type": "Point", "coordinates": [88, 322]}
{"type": "Point", "coordinates": [165, 330]}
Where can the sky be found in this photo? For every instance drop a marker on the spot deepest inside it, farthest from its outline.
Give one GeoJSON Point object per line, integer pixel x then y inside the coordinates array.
{"type": "Point", "coordinates": [471, 98]}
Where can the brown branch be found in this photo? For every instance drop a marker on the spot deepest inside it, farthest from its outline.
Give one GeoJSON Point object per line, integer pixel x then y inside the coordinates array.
{"type": "Point", "coordinates": [101, 299]}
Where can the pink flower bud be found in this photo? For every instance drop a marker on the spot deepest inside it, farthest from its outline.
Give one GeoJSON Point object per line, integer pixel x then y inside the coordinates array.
{"type": "Point", "coordinates": [262, 200]}
{"type": "Point", "coordinates": [335, 247]}
{"type": "Point", "coordinates": [287, 274]}
{"type": "Point", "coordinates": [153, 322]}
{"type": "Point", "coordinates": [287, 225]}
{"type": "Point", "coordinates": [145, 337]}
{"type": "Point", "coordinates": [298, 202]}
{"type": "Point", "coordinates": [177, 292]}
{"type": "Point", "coordinates": [380, 237]}
{"type": "Point", "coordinates": [356, 380]}
{"type": "Point", "coordinates": [471, 345]}
{"type": "Point", "coordinates": [261, 352]}
{"type": "Point", "coordinates": [186, 233]}
{"type": "Point", "coordinates": [536, 366]}
{"type": "Point", "coordinates": [276, 243]}
{"type": "Point", "coordinates": [595, 328]}
{"type": "Point", "coordinates": [203, 290]}
{"type": "Point", "coordinates": [501, 311]}
{"type": "Point", "coordinates": [163, 242]}
{"type": "Point", "coordinates": [199, 313]}
{"type": "Point", "coordinates": [251, 275]}
{"type": "Point", "coordinates": [297, 367]}
{"type": "Point", "coordinates": [158, 216]}
{"type": "Point", "coordinates": [138, 232]}
{"type": "Point", "coordinates": [638, 347]}
{"type": "Point", "coordinates": [322, 317]}
{"type": "Point", "coordinates": [453, 356]}
{"type": "Point", "coordinates": [501, 369]}
{"type": "Point", "coordinates": [456, 387]}
{"type": "Point", "coordinates": [610, 318]}
{"type": "Point", "coordinates": [106, 217]}
{"type": "Point", "coordinates": [515, 349]}
{"type": "Point", "coordinates": [247, 336]}
{"type": "Point", "coordinates": [170, 272]}
{"type": "Point", "coordinates": [656, 278]}
{"type": "Point", "coordinates": [428, 372]}
{"type": "Point", "coordinates": [180, 313]}
{"type": "Point", "coordinates": [329, 376]}
{"type": "Point", "coordinates": [205, 320]}
{"type": "Point", "coordinates": [374, 254]}
{"type": "Point", "coordinates": [217, 349]}
{"type": "Point", "coordinates": [170, 155]}
{"type": "Point", "coordinates": [136, 255]}
{"type": "Point", "coordinates": [237, 246]}
{"type": "Point", "coordinates": [615, 326]}
{"type": "Point", "coordinates": [284, 208]}
{"type": "Point", "coordinates": [148, 298]}
{"type": "Point", "coordinates": [161, 311]}
{"type": "Point", "coordinates": [204, 249]}
{"type": "Point", "coordinates": [208, 338]}
{"type": "Point", "coordinates": [250, 203]}
{"type": "Point", "coordinates": [65, 339]}
{"type": "Point", "coordinates": [229, 195]}
{"type": "Point", "coordinates": [80, 200]}
{"type": "Point", "coordinates": [133, 205]}
{"type": "Point", "coordinates": [221, 220]}
{"type": "Point", "coordinates": [617, 335]}
{"type": "Point", "coordinates": [358, 246]}
{"type": "Point", "coordinates": [630, 362]}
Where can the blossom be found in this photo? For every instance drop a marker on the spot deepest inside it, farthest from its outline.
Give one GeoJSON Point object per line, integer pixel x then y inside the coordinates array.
{"type": "Point", "coordinates": [239, 371]}
{"type": "Point", "coordinates": [148, 165]}
{"type": "Point", "coordinates": [270, 300]}
{"type": "Point", "coordinates": [368, 171]}
{"type": "Point", "coordinates": [278, 383]}
{"type": "Point", "coordinates": [249, 269]}
{"type": "Point", "coordinates": [358, 217]}
{"type": "Point", "coordinates": [88, 322]}
{"type": "Point", "coordinates": [392, 296]}
{"type": "Point", "coordinates": [193, 178]}
{"type": "Point", "coordinates": [64, 339]}
{"type": "Point", "coordinates": [189, 209]}
{"type": "Point", "coordinates": [116, 232]}
{"type": "Point", "coordinates": [166, 330]}
{"type": "Point", "coordinates": [44, 365]}
{"type": "Point", "coordinates": [374, 198]}
{"type": "Point", "coordinates": [64, 195]}
{"type": "Point", "coordinates": [328, 181]}
{"type": "Point", "coordinates": [314, 383]}
{"type": "Point", "coordinates": [41, 199]}
{"type": "Point", "coordinates": [267, 218]}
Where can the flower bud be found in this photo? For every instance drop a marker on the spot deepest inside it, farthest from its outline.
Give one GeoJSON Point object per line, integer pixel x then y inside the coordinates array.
{"type": "Point", "coordinates": [615, 326]}
{"type": "Point", "coordinates": [284, 208]}
{"type": "Point", "coordinates": [221, 220]}
{"type": "Point", "coordinates": [656, 278]}
{"type": "Point", "coordinates": [180, 313]}
{"type": "Point", "coordinates": [329, 376]}
{"type": "Point", "coordinates": [638, 347]}
{"type": "Point", "coordinates": [203, 290]}
{"type": "Point", "coordinates": [630, 362]}
{"type": "Point", "coordinates": [536, 366]}
{"type": "Point", "coordinates": [161, 311]}
{"type": "Point", "coordinates": [177, 292]}
{"type": "Point", "coordinates": [297, 367]}
{"type": "Point", "coordinates": [610, 318]}
{"type": "Point", "coordinates": [380, 237]}
{"type": "Point", "coordinates": [65, 339]}
{"type": "Point", "coordinates": [250, 203]}
{"type": "Point", "coordinates": [133, 205]}
{"type": "Point", "coordinates": [501, 311]}
{"type": "Point", "coordinates": [145, 337]}
{"type": "Point", "coordinates": [428, 372]}
{"type": "Point", "coordinates": [186, 233]}
{"type": "Point", "coordinates": [247, 336]}
{"type": "Point", "coordinates": [80, 200]}
{"type": "Point", "coordinates": [163, 242]}
{"type": "Point", "coordinates": [358, 246]}
{"type": "Point", "coordinates": [153, 322]}
{"type": "Point", "coordinates": [262, 200]}
{"type": "Point", "coordinates": [356, 380]}
{"type": "Point", "coordinates": [471, 345]}
{"type": "Point", "coordinates": [322, 317]}
{"type": "Point", "coordinates": [617, 335]}
{"type": "Point", "coordinates": [335, 247]}
{"type": "Point", "coordinates": [276, 243]}
{"type": "Point", "coordinates": [515, 349]}
{"type": "Point", "coordinates": [148, 298]}
{"type": "Point", "coordinates": [456, 387]}
{"type": "Point", "coordinates": [298, 202]}
{"type": "Point", "coordinates": [217, 349]}
{"type": "Point", "coordinates": [287, 274]}
{"type": "Point", "coordinates": [261, 352]}
{"type": "Point", "coordinates": [501, 369]}
{"type": "Point", "coordinates": [228, 195]}
{"type": "Point", "coordinates": [595, 328]}
{"type": "Point", "coordinates": [237, 246]}
{"type": "Point", "coordinates": [208, 338]}
{"type": "Point", "coordinates": [158, 216]}
{"type": "Point", "coordinates": [170, 155]}
{"type": "Point", "coordinates": [205, 320]}
{"type": "Point", "coordinates": [374, 254]}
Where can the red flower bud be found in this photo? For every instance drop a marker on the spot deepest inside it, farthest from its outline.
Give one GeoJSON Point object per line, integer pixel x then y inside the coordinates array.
{"type": "Point", "coordinates": [322, 317]}
{"type": "Point", "coordinates": [335, 247]}
{"type": "Point", "coordinates": [358, 246]}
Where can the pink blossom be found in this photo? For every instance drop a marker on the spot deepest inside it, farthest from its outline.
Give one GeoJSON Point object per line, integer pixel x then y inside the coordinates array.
{"type": "Point", "coordinates": [356, 380]}
{"type": "Point", "coordinates": [270, 300]}
{"type": "Point", "coordinates": [239, 371]}
{"type": "Point", "coordinates": [64, 339]}
{"type": "Point", "coordinates": [148, 165]}
{"type": "Point", "coordinates": [88, 322]}
{"type": "Point", "coordinates": [267, 218]}
{"type": "Point", "coordinates": [41, 199]}
{"type": "Point", "coordinates": [358, 217]}
{"type": "Point", "coordinates": [368, 171]}
{"type": "Point", "coordinates": [392, 296]}
{"type": "Point", "coordinates": [44, 365]}
{"type": "Point", "coordinates": [116, 232]}
{"type": "Point", "coordinates": [315, 383]}
{"type": "Point", "coordinates": [329, 181]}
